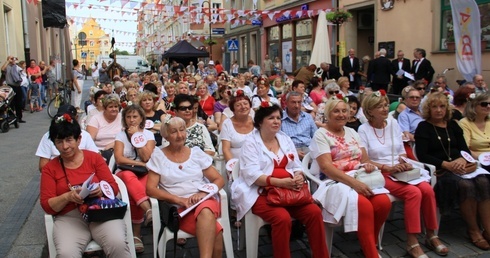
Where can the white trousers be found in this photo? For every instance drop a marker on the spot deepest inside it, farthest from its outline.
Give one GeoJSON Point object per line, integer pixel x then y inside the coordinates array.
{"type": "Point", "coordinates": [76, 98]}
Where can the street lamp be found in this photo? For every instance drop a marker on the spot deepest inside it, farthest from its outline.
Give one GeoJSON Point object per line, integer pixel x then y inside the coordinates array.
{"type": "Point", "coordinates": [210, 40]}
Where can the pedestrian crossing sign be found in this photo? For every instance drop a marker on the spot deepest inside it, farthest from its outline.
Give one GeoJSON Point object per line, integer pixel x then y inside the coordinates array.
{"type": "Point", "coordinates": [232, 45]}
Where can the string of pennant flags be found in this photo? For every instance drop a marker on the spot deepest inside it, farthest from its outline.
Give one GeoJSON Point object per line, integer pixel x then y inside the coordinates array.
{"type": "Point", "coordinates": [195, 14]}
{"type": "Point", "coordinates": [157, 12]}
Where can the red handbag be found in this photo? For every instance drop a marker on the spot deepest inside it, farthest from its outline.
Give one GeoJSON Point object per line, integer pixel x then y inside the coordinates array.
{"type": "Point", "coordinates": [279, 196]}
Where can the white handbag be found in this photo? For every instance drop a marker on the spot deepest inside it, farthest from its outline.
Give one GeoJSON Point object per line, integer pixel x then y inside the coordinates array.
{"type": "Point", "coordinates": [404, 176]}
{"type": "Point", "coordinates": [374, 179]}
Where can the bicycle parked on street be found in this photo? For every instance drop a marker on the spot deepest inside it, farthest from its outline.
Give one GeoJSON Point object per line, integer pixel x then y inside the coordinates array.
{"type": "Point", "coordinates": [61, 98]}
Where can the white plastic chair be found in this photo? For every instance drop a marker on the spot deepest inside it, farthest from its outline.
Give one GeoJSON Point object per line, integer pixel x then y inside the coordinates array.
{"type": "Point", "coordinates": [112, 164]}
{"type": "Point", "coordinates": [314, 183]}
{"type": "Point", "coordinates": [160, 247]}
{"type": "Point", "coordinates": [329, 227]}
{"type": "Point", "coordinates": [253, 223]}
{"type": "Point", "coordinates": [92, 245]}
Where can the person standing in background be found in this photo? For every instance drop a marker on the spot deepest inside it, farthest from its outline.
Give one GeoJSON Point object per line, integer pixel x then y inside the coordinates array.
{"type": "Point", "coordinates": [400, 64]}
{"type": "Point", "coordinates": [77, 76]}
{"type": "Point", "coordinates": [350, 67]}
{"type": "Point", "coordinates": [382, 70]}
{"type": "Point", "coordinates": [51, 79]}
{"type": "Point", "coordinates": [13, 79]}
{"type": "Point", "coordinates": [191, 69]}
{"type": "Point", "coordinates": [95, 73]}
{"type": "Point", "coordinates": [267, 65]}
{"type": "Point", "coordinates": [235, 68]}
{"type": "Point", "coordinates": [422, 68]}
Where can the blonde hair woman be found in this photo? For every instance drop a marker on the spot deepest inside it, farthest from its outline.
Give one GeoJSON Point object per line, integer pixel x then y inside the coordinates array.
{"type": "Point", "coordinates": [338, 149]}
{"type": "Point", "coordinates": [382, 139]}
{"type": "Point", "coordinates": [439, 141]}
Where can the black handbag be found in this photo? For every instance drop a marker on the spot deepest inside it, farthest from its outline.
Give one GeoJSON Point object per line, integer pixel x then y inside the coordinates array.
{"type": "Point", "coordinates": [138, 170]}
{"type": "Point", "coordinates": [102, 209]}
{"type": "Point", "coordinates": [107, 154]}
{"type": "Point", "coordinates": [169, 217]}
{"type": "Point", "coordinates": [99, 209]}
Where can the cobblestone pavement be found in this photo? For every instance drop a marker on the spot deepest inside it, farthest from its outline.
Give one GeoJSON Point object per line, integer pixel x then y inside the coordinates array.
{"type": "Point", "coordinates": [452, 233]}
{"type": "Point", "coordinates": [22, 221]}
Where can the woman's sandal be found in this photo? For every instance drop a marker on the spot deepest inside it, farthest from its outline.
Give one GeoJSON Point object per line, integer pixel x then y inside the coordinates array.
{"type": "Point", "coordinates": [481, 243]}
{"type": "Point", "coordinates": [138, 245]}
{"type": "Point", "coordinates": [485, 235]}
{"type": "Point", "coordinates": [441, 249]}
{"type": "Point", "coordinates": [411, 247]}
{"type": "Point", "coordinates": [149, 217]}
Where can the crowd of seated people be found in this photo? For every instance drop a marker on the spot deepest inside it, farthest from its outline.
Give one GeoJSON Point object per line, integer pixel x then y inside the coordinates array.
{"type": "Point", "coordinates": [269, 124]}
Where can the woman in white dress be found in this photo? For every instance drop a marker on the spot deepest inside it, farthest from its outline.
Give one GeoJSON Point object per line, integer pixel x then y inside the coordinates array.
{"type": "Point", "coordinates": [175, 174]}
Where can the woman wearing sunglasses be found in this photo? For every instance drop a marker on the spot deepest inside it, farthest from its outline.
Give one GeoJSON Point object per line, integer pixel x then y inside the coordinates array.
{"type": "Point", "coordinates": [331, 90]}
{"type": "Point", "coordinates": [439, 142]}
{"type": "Point", "coordinates": [476, 124]}
{"type": "Point", "coordinates": [197, 133]}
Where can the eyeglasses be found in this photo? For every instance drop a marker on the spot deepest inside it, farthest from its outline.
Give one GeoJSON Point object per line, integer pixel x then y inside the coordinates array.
{"type": "Point", "coordinates": [484, 104]}
{"type": "Point", "coordinates": [185, 108]}
{"type": "Point", "coordinates": [420, 88]}
{"type": "Point", "coordinates": [333, 92]}
{"type": "Point", "coordinates": [414, 97]}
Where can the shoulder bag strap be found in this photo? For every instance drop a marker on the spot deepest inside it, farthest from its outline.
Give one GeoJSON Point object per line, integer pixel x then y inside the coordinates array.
{"type": "Point", "coordinates": [129, 139]}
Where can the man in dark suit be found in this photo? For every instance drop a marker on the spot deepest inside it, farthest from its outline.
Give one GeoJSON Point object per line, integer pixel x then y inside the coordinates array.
{"type": "Point", "coordinates": [350, 67]}
{"type": "Point", "coordinates": [400, 64]}
{"type": "Point", "coordinates": [329, 71]}
{"type": "Point", "coordinates": [422, 68]}
{"type": "Point", "coordinates": [381, 70]}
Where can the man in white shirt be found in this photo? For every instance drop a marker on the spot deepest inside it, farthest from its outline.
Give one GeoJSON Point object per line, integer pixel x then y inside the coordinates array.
{"type": "Point", "coordinates": [46, 150]}
{"type": "Point", "coordinates": [95, 73]}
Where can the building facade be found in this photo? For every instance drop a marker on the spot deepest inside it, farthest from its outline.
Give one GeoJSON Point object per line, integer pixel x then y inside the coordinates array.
{"type": "Point", "coordinates": [90, 42]}
{"type": "Point", "coordinates": [11, 30]}
{"type": "Point", "coordinates": [22, 34]}
{"type": "Point", "coordinates": [406, 25]}
{"type": "Point", "coordinates": [289, 37]}
{"type": "Point", "coordinates": [160, 27]}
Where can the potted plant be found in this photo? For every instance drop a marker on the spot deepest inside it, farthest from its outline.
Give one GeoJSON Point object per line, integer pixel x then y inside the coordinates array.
{"type": "Point", "coordinates": [339, 16]}
{"type": "Point", "coordinates": [450, 44]}
{"type": "Point", "coordinates": [484, 41]}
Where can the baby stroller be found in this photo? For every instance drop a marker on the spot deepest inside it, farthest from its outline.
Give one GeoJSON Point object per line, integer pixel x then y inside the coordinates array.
{"type": "Point", "coordinates": [7, 115]}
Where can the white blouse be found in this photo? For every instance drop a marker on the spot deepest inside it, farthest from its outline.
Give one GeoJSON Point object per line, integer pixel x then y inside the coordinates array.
{"type": "Point", "coordinates": [180, 179]}
{"type": "Point", "coordinates": [384, 146]}
{"type": "Point", "coordinates": [236, 139]}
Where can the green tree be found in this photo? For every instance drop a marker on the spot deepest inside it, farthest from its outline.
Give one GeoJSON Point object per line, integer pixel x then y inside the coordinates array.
{"type": "Point", "coordinates": [122, 53]}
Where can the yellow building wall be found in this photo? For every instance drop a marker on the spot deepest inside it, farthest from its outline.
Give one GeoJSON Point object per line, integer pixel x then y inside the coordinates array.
{"type": "Point", "coordinates": [411, 24]}
{"type": "Point", "coordinates": [96, 35]}
{"type": "Point", "coordinates": [14, 45]}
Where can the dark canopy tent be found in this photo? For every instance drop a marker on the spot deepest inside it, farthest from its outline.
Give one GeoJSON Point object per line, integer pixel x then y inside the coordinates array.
{"type": "Point", "coordinates": [183, 52]}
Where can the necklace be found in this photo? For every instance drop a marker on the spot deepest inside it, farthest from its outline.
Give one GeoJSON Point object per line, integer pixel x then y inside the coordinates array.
{"type": "Point", "coordinates": [448, 152]}
{"type": "Point", "coordinates": [380, 137]}
{"type": "Point", "coordinates": [176, 159]}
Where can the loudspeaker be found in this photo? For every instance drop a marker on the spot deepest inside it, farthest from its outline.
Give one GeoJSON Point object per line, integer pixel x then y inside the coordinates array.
{"type": "Point", "coordinates": [54, 13]}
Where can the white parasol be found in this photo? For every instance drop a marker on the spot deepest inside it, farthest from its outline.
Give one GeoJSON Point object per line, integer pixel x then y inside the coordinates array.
{"type": "Point", "coordinates": [321, 48]}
